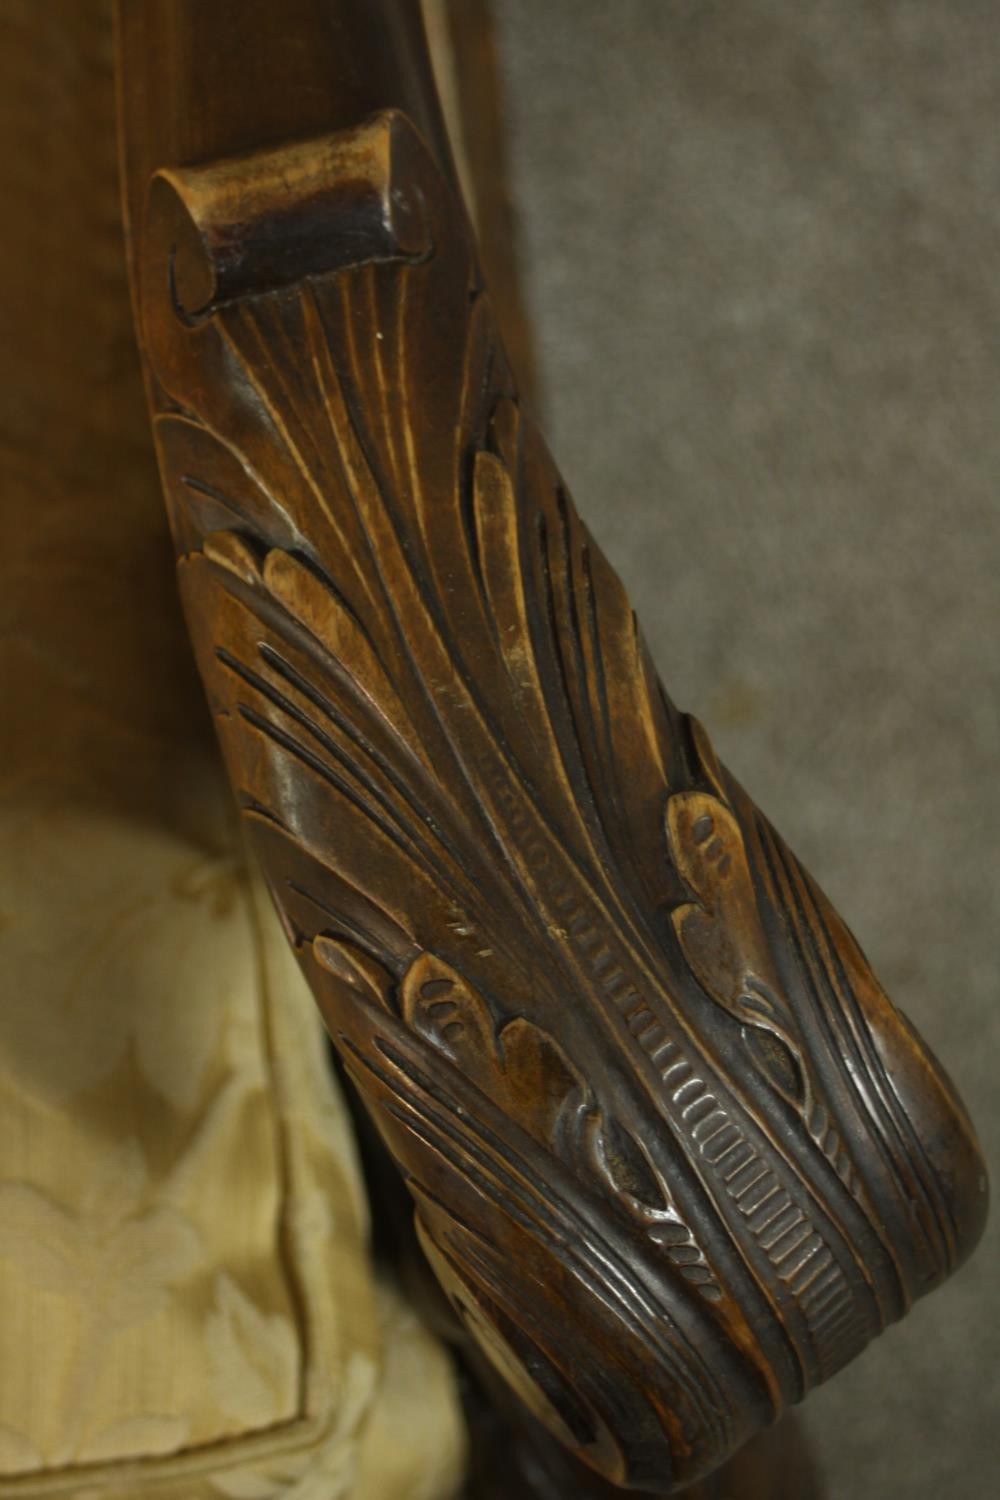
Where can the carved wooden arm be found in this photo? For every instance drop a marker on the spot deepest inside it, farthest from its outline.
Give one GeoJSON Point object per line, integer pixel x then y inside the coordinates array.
{"type": "Point", "coordinates": [674, 1155]}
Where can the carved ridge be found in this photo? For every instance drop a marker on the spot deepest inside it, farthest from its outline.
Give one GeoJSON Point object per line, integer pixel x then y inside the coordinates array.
{"type": "Point", "coordinates": [596, 1009]}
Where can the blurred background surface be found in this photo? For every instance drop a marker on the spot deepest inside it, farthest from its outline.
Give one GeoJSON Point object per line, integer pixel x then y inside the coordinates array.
{"type": "Point", "coordinates": [761, 247]}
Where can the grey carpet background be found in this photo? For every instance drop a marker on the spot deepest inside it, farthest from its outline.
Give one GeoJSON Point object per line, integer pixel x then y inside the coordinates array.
{"type": "Point", "coordinates": [761, 242]}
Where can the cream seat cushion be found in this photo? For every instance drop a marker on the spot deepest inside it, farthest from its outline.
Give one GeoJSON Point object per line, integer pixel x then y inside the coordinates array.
{"type": "Point", "coordinates": [187, 1306]}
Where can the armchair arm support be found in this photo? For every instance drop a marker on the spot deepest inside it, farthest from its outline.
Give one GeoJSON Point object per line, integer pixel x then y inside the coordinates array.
{"type": "Point", "coordinates": [674, 1156]}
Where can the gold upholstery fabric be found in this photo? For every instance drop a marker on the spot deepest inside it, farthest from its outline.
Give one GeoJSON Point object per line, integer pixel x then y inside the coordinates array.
{"type": "Point", "coordinates": [186, 1300]}
{"type": "Point", "coordinates": [187, 1303]}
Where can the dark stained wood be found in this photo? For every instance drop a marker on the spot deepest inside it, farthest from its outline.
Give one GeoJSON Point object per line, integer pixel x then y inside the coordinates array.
{"type": "Point", "coordinates": [674, 1156]}
{"type": "Point", "coordinates": [518, 1460]}
{"type": "Point", "coordinates": [87, 544]}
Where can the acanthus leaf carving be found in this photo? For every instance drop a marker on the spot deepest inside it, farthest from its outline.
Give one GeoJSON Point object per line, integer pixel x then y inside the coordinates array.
{"type": "Point", "coordinates": [612, 1036]}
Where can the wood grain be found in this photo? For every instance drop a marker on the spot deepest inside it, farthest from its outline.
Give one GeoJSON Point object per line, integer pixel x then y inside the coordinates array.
{"type": "Point", "coordinates": [674, 1156]}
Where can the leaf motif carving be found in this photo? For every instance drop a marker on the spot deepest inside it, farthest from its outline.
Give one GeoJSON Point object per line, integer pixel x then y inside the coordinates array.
{"type": "Point", "coordinates": [443, 1007]}
{"type": "Point", "coordinates": [721, 934]}
{"type": "Point", "coordinates": [353, 968]}
{"type": "Point", "coordinates": [515, 1061]}
{"type": "Point", "coordinates": [437, 706]}
{"type": "Point", "coordinates": [724, 942]}
{"type": "Point", "coordinates": [577, 979]}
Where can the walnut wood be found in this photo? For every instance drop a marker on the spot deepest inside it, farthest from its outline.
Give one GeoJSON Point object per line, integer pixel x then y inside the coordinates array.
{"type": "Point", "coordinates": [674, 1156]}
{"type": "Point", "coordinates": [518, 1458]}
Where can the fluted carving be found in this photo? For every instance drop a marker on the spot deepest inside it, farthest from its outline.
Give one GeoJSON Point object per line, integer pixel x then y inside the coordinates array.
{"type": "Point", "coordinates": [674, 1156]}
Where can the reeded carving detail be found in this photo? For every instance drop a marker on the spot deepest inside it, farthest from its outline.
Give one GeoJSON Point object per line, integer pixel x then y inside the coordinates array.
{"type": "Point", "coordinates": [673, 1154]}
